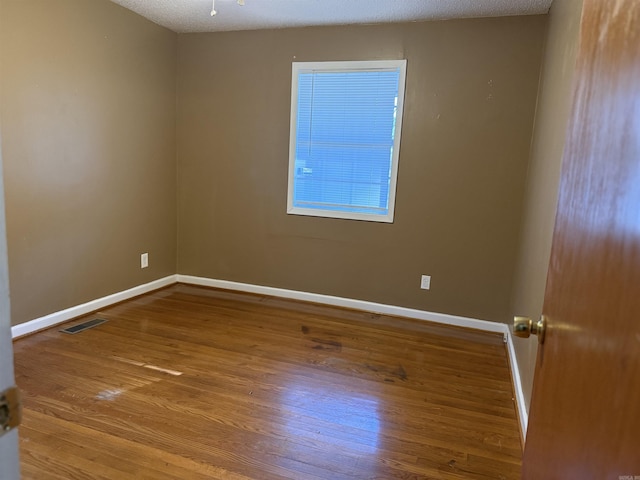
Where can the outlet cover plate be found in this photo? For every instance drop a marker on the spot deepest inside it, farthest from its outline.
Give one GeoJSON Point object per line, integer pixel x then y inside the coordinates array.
{"type": "Point", "coordinates": [425, 282]}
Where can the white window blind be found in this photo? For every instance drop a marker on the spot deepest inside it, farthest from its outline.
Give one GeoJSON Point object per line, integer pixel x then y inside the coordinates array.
{"type": "Point", "coordinates": [345, 138]}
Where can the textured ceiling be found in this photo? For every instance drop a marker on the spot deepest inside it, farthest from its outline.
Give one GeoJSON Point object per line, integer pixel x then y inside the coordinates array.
{"type": "Point", "coordinates": [194, 15]}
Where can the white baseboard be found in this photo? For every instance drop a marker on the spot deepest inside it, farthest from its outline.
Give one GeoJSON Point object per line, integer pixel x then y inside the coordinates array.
{"type": "Point", "coordinates": [521, 405]}
{"type": "Point", "coordinates": [388, 310]}
{"type": "Point", "coordinates": [346, 302]}
{"type": "Point", "coordinates": [79, 310]}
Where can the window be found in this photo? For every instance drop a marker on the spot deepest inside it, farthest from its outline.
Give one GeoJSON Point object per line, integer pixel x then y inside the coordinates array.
{"type": "Point", "coordinates": [345, 139]}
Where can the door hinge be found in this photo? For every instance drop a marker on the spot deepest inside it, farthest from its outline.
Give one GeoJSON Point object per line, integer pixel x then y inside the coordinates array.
{"type": "Point", "coordinates": [10, 410]}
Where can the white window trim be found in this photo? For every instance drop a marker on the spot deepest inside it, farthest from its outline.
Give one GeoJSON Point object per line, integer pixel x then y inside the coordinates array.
{"type": "Point", "coordinates": [347, 66]}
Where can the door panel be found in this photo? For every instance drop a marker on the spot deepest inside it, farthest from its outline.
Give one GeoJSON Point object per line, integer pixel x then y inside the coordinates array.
{"type": "Point", "coordinates": [585, 410]}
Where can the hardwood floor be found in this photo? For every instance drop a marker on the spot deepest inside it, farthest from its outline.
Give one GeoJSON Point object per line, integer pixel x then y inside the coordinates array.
{"type": "Point", "coordinates": [195, 383]}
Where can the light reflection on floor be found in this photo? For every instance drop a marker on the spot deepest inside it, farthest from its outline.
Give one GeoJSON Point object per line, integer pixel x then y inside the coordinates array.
{"type": "Point", "coordinates": [325, 414]}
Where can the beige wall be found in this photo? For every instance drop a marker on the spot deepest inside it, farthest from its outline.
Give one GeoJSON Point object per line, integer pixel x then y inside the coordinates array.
{"type": "Point", "coordinates": [470, 99]}
{"type": "Point", "coordinates": [87, 106]}
{"type": "Point", "coordinates": [88, 115]}
{"type": "Point", "coordinates": [544, 174]}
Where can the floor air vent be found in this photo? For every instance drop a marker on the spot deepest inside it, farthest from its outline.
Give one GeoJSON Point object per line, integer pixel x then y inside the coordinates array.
{"type": "Point", "coordinates": [83, 326]}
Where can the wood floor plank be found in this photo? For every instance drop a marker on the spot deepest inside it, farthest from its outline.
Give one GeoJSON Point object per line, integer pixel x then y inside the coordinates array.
{"type": "Point", "coordinates": [151, 462]}
{"type": "Point", "coordinates": [189, 382]}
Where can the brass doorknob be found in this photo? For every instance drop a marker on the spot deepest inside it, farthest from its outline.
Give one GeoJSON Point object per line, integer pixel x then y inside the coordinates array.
{"type": "Point", "coordinates": [524, 327]}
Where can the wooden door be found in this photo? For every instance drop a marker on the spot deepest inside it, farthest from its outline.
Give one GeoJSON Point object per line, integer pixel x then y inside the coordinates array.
{"type": "Point", "coordinates": [585, 410]}
{"type": "Point", "coordinates": [9, 464]}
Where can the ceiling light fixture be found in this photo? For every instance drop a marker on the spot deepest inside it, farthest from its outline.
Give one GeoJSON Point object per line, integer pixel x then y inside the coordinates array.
{"type": "Point", "coordinates": [213, 6]}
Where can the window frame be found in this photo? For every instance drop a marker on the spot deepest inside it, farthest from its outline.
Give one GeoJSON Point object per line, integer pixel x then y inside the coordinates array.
{"type": "Point", "coordinates": [344, 67]}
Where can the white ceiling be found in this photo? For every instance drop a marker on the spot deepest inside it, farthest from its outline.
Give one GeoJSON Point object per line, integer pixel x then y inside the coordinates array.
{"type": "Point", "coordinates": [194, 15]}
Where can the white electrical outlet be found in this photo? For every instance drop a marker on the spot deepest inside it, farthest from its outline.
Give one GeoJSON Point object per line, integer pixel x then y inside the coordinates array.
{"type": "Point", "coordinates": [425, 282]}
{"type": "Point", "coordinates": [144, 260]}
